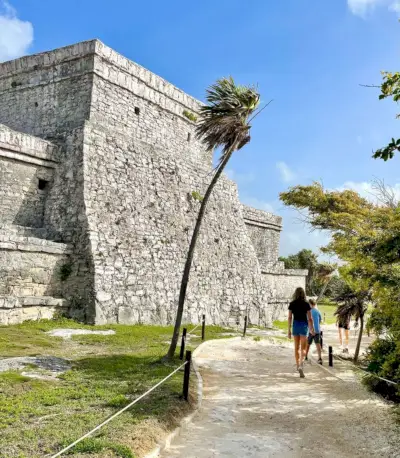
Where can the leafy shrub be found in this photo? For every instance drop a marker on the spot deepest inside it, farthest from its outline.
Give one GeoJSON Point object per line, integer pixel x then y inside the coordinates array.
{"type": "Point", "coordinates": [197, 196]}
{"type": "Point", "coordinates": [189, 115]}
{"type": "Point", "coordinates": [383, 359]}
{"type": "Point", "coordinates": [65, 271]}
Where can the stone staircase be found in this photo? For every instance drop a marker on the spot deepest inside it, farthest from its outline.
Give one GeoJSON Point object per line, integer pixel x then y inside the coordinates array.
{"type": "Point", "coordinates": [31, 283]}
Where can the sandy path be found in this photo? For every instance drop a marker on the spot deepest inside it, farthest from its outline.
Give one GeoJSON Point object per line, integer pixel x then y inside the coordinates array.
{"type": "Point", "coordinates": [255, 405]}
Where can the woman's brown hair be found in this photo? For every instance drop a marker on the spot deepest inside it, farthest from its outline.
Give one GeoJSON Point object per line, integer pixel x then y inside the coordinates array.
{"type": "Point", "coordinates": [299, 294]}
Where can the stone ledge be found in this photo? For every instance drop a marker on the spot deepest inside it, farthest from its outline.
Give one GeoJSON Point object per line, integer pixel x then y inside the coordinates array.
{"type": "Point", "coordinates": [285, 272]}
{"type": "Point", "coordinates": [12, 302]}
{"type": "Point", "coordinates": [15, 242]}
{"type": "Point", "coordinates": [22, 157]}
{"type": "Point", "coordinates": [260, 217]}
{"type": "Point", "coordinates": [28, 145]}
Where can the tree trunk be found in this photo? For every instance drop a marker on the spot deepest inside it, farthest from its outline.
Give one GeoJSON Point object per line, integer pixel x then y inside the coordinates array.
{"type": "Point", "coordinates": [189, 258]}
{"type": "Point", "coordinates": [360, 333]}
{"type": "Point", "coordinates": [322, 292]}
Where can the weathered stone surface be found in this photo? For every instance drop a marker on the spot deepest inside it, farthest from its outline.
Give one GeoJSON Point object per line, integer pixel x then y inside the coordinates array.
{"type": "Point", "coordinates": [123, 171]}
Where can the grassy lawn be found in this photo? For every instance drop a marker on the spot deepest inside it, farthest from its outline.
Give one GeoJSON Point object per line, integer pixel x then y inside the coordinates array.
{"type": "Point", "coordinates": [38, 417]}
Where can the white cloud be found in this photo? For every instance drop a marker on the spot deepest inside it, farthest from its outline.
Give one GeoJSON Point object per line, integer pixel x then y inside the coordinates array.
{"type": "Point", "coordinates": [287, 175]}
{"type": "Point", "coordinates": [241, 178]}
{"type": "Point", "coordinates": [363, 7]}
{"type": "Point", "coordinates": [367, 190]}
{"type": "Point", "coordinates": [395, 6]}
{"type": "Point", "coordinates": [15, 35]}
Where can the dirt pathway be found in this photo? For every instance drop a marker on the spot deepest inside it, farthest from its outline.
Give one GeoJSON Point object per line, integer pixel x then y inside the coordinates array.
{"type": "Point", "coordinates": [255, 405]}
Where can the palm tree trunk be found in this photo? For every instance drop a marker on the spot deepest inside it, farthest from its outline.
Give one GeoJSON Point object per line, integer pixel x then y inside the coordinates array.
{"type": "Point", "coordinates": [322, 292]}
{"type": "Point", "coordinates": [360, 333]}
{"type": "Point", "coordinates": [189, 258]}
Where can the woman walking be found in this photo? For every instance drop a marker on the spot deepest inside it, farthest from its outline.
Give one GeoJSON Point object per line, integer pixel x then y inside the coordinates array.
{"type": "Point", "coordinates": [300, 317]}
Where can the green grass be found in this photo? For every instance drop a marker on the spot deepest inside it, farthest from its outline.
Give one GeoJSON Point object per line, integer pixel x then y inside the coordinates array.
{"type": "Point", "coordinates": [38, 417]}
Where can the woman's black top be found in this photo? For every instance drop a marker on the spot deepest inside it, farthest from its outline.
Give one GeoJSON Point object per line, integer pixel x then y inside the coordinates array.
{"type": "Point", "coordinates": [299, 308]}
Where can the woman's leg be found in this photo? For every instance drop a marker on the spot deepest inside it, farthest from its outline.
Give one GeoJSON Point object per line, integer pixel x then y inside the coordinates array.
{"type": "Point", "coordinates": [296, 349]}
{"type": "Point", "coordinates": [340, 336]}
{"type": "Point", "coordinates": [346, 335]}
{"type": "Point", "coordinates": [303, 343]}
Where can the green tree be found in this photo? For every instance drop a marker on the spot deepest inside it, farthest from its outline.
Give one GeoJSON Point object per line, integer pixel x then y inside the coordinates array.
{"type": "Point", "coordinates": [390, 87]}
{"type": "Point", "coordinates": [366, 236]}
{"type": "Point", "coordinates": [224, 122]}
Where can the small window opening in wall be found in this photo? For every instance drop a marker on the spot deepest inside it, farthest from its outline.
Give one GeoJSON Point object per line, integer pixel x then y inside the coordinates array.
{"type": "Point", "coordinates": [189, 137]}
{"type": "Point", "coordinates": [42, 185]}
{"type": "Point", "coordinates": [137, 111]}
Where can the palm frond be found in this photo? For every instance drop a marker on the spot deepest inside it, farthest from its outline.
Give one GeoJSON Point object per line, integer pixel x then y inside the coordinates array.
{"type": "Point", "coordinates": [224, 120]}
{"type": "Point", "coordinates": [352, 304]}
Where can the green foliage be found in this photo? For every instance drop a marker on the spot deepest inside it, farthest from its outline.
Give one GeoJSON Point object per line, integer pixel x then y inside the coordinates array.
{"type": "Point", "coordinates": [191, 116]}
{"type": "Point", "coordinates": [224, 121]}
{"type": "Point", "coordinates": [390, 87]}
{"type": "Point", "coordinates": [95, 445]}
{"type": "Point", "coordinates": [383, 359]}
{"type": "Point", "coordinates": [365, 236]}
{"type": "Point", "coordinates": [257, 338]}
{"type": "Point", "coordinates": [65, 271]}
{"type": "Point", "coordinates": [197, 196]}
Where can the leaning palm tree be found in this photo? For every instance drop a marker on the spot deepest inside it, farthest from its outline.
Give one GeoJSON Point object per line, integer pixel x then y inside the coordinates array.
{"type": "Point", "coordinates": [353, 304]}
{"type": "Point", "coordinates": [325, 273]}
{"type": "Point", "coordinates": [223, 123]}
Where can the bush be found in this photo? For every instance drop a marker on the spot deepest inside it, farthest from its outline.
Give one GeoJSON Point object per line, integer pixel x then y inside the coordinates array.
{"type": "Point", "coordinates": [65, 271]}
{"type": "Point", "coordinates": [383, 359]}
{"type": "Point", "coordinates": [191, 116]}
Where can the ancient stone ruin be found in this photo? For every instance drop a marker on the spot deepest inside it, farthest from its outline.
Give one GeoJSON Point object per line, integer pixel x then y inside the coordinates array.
{"type": "Point", "coordinates": [100, 181]}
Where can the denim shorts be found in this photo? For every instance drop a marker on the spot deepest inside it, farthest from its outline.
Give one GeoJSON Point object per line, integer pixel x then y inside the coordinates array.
{"type": "Point", "coordinates": [300, 328]}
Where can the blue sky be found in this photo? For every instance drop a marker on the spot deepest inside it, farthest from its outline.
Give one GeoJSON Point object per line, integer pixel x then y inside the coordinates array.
{"type": "Point", "coordinates": [309, 56]}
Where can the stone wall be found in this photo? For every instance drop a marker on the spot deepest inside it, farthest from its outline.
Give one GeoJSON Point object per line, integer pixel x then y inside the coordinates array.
{"type": "Point", "coordinates": [26, 172]}
{"type": "Point", "coordinates": [123, 186]}
{"type": "Point", "coordinates": [264, 229]}
{"type": "Point", "coordinates": [48, 94]}
{"type": "Point", "coordinates": [31, 266]}
{"type": "Point", "coordinates": [141, 213]}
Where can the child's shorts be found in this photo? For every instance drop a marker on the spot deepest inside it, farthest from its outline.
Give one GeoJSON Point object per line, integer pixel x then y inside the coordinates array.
{"type": "Point", "coordinates": [300, 328]}
{"type": "Point", "coordinates": [317, 338]}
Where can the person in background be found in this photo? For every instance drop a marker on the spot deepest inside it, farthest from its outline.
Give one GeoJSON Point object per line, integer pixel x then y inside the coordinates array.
{"type": "Point", "coordinates": [343, 323]}
{"type": "Point", "coordinates": [316, 337]}
{"type": "Point", "coordinates": [299, 323]}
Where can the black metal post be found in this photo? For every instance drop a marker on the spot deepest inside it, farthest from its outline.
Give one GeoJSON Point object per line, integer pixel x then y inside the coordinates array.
{"type": "Point", "coordinates": [203, 328]}
{"type": "Point", "coordinates": [183, 342]}
{"type": "Point", "coordinates": [330, 357]}
{"type": "Point", "coordinates": [186, 376]}
{"type": "Point", "coordinates": [245, 326]}
{"type": "Point", "coordinates": [322, 340]}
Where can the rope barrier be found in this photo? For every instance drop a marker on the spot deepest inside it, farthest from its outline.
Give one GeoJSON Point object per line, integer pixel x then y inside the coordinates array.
{"type": "Point", "coordinates": [192, 330]}
{"type": "Point", "coordinates": [118, 413]}
{"type": "Point", "coordinates": [367, 372]}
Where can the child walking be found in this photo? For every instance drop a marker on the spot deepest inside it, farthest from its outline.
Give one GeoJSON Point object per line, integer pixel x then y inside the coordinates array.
{"type": "Point", "coordinates": [316, 337]}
